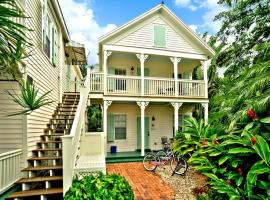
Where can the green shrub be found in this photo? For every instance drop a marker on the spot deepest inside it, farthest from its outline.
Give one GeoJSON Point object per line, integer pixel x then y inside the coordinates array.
{"type": "Point", "coordinates": [237, 163]}
{"type": "Point", "coordinates": [100, 187]}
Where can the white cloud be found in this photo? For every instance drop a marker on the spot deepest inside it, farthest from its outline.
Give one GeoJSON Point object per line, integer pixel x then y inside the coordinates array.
{"type": "Point", "coordinates": [185, 4]}
{"type": "Point", "coordinates": [211, 7]}
{"type": "Point", "coordinates": [193, 27]}
{"type": "Point", "coordinates": [83, 26]}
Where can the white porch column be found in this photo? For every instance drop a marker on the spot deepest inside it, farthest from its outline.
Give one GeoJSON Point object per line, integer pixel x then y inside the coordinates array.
{"type": "Point", "coordinates": [106, 104]}
{"type": "Point", "coordinates": [175, 62]}
{"type": "Point", "coordinates": [205, 106]}
{"type": "Point", "coordinates": [142, 105]}
{"type": "Point", "coordinates": [176, 106]}
{"type": "Point", "coordinates": [142, 58]}
{"type": "Point", "coordinates": [205, 65]}
{"type": "Point", "coordinates": [106, 54]}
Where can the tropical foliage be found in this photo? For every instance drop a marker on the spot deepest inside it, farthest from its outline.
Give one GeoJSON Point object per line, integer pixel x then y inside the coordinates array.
{"type": "Point", "coordinates": [12, 37]}
{"type": "Point", "coordinates": [99, 186]}
{"type": "Point", "coordinates": [94, 115]}
{"type": "Point", "coordinates": [29, 99]}
{"type": "Point", "coordinates": [237, 163]}
{"type": "Point", "coordinates": [233, 151]}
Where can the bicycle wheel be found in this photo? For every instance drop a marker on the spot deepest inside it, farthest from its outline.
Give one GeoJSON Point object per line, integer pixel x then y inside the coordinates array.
{"type": "Point", "coordinates": [150, 162]}
{"type": "Point", "coordinates": [179, 165]}
{"type": "Point", "coordinates": [161, 156]}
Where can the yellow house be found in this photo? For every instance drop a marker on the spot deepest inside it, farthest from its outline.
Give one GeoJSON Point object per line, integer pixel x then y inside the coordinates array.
{"type": "Point", "coordinates": [52, 65]}
{"type": "Point", "coordinates": [145, 87]}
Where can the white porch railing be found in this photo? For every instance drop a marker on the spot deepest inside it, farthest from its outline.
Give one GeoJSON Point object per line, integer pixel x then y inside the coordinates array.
{"type": "Point", "coordinates": [10, 167]}
{"type": "Point", "coordinates": [128, 85]}
{"type": "Point", "coordinates": [71, 142]}
{"type": "Point", "coordinates": [194, 88]}
{"type": "Point", "coordinates": [153, 86]}
{"type": "Point", "coordinates": [159, 87]}
{"type": "Point", "coordinates": [96, 83]}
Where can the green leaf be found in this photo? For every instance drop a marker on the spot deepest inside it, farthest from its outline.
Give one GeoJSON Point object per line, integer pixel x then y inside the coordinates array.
{"type": "Point", "coordinates": [258, 168]}
{"type": "Point", "coordinates": [239, 181]}
{"type": "Point", "coordinates": [262, 148]}
{"type": "Point", "coordinates": [240, 150]}
{"type": "Point", "coordinates": [223, 159]}
{"type": "Point", "coordinates": [234, 163]}
{"type": "Point", "coordinates": [265, 120]}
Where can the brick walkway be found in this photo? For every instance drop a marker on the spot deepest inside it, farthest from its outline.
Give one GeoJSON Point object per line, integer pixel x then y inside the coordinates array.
{"type": "Point", "coordinates": [146, 185]}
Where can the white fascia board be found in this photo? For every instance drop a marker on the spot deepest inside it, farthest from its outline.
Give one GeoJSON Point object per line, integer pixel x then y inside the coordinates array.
{"type": "Point", "coordinates": [160, 52]}
{"type": "Point", "coordinates": [133, 99]}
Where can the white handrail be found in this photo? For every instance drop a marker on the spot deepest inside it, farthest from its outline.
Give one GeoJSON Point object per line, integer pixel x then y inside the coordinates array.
{"type": "Point", "coordinates": [10, 167]}
{"type": "Point", "coordinates": [71, 142]}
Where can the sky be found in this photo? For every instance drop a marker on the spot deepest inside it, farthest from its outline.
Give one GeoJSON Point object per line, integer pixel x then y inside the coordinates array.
{"type": "Point", "coordinates": [87, 20]}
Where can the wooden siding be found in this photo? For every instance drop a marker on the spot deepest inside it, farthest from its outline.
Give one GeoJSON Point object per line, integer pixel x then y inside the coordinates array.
{"type": "Point", "coordinates": [44, 74]}
{"type": "Point", "coordinates": [142, 36]}
{"type": "Point", "coordinates": [162, 126]}
{"type": "Point", "coordinates": [11, 128]}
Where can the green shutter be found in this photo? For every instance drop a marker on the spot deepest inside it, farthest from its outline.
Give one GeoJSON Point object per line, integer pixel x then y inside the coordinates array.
{"type": "Point", "coordinates": [110, 84]}
{"type": "Point", "coordinates": [54, 47]}
{"type": "Point", "coordinates": [146, 71]}
{"type": "Point", "coordinates": [159, 36]}
{"type": "Point", "coordinates": [110, 128]}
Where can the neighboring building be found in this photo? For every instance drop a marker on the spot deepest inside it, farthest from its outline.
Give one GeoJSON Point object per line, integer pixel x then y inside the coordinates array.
{"type": "Point", "coordinates": [145, 86]}
{"type": "Point", "coordinates": [52, 65]}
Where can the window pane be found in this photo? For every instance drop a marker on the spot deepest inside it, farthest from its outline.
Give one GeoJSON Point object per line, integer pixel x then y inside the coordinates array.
{"type": "Point", "coordinates": [120, 127]}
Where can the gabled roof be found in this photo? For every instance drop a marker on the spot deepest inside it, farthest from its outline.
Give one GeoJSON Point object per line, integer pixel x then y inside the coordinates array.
{"type": "Point", "coordinates": [162, 9]}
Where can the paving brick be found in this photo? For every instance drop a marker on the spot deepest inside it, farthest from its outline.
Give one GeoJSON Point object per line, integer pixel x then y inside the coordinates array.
{"type": "Point", "coordinates": [146, 185]}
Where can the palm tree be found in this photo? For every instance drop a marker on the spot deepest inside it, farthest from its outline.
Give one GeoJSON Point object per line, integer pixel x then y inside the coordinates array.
{"type": "Point", "coordinates": [12, 37]}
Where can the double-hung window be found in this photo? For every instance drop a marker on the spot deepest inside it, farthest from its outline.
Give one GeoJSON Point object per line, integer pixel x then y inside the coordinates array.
{"type": "Point", "coordinates": [120, 122]}
{"type": "Point", "coordinates": [49, 34]}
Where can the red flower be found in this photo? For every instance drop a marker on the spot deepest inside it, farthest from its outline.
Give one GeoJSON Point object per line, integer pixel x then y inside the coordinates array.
{"type": "Point", "coordinates": [251, 114]}
{"type": "Point", "coordinates": [204, 143]}
{"type": "Point", "coordinates": [229, 182]}
{"type": "Point", "coordinates": [215, 142]}
{"type": "Point", "coordinates": [239, 170]}
{"type": "Point", "coordinates": [253, 140]}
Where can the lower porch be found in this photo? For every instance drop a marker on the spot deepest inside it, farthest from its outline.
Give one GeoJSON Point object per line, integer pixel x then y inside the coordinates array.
{"type": "Point", "coordinates": [133, 128]}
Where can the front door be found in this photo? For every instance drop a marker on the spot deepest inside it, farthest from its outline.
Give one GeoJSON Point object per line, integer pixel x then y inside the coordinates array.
{"type": "Point", "coordinates": [146, 133]}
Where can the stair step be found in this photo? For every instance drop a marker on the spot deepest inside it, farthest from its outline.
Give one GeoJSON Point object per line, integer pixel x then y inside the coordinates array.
{"type": "Point", "coordinates": [40, 179]}
{"type": "Point", "coordinates": [46, 158]}
{"type": "Point", "coordinates": [31, 193]}
{"type": "Point", "coordinates": [54, 149]}
{"type": "Point", "coordinates": [40, 168]}
{"type": "Point", "coordinates": [54, 135]}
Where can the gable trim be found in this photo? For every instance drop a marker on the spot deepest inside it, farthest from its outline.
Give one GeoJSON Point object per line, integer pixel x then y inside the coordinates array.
{"type": "Point", "coordinates": [172, 15]}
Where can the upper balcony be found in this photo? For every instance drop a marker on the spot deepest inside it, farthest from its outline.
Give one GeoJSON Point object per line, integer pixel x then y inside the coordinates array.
{"type": "Point", "coordinates": [162, 77]}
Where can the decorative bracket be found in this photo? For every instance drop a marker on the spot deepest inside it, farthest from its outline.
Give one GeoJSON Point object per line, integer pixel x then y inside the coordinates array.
{"type": "Point", "coordinates": [107, 54]}
{"type": "Point", "coordinates": [204, 105]}
{"type": "Point", "coordinates": [175, 59]}
{"type": "Point", "coordinates": [107, 104]}
{"type": "Point", "coordinates": [176, 105]}
{"type": "Point", "coordinates": [142, 57]}
{"type": "Point", "coordinates": [142, 104]}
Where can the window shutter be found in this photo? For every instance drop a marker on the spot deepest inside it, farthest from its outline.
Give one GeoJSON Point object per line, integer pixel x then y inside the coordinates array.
{"type": "Point", "coordinates": [110, 128]}
{"type": "Point", "coordinates": [44, 20]}
{"type": "Point", "coordinates": [54, 45]}
{"type": "Point", "coordinates": [146, 71]}
{"type": "Point", "coordinates": [159, 36]}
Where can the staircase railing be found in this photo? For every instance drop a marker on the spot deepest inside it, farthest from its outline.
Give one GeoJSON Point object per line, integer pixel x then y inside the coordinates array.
{"type": "Point", "coordinates": [71, 149]}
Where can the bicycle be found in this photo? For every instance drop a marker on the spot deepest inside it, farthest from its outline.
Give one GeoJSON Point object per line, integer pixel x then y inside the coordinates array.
{"type": "Point", "coordinates": [178, 165]}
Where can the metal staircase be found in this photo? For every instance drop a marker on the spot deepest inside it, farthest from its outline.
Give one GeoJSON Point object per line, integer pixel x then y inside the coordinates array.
{"type": "Point", "coordinates": [44, 174]}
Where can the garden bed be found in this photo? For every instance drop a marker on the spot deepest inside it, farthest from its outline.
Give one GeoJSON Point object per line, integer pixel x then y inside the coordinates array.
{"type": "Point", "coordinates": [183, 185]}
